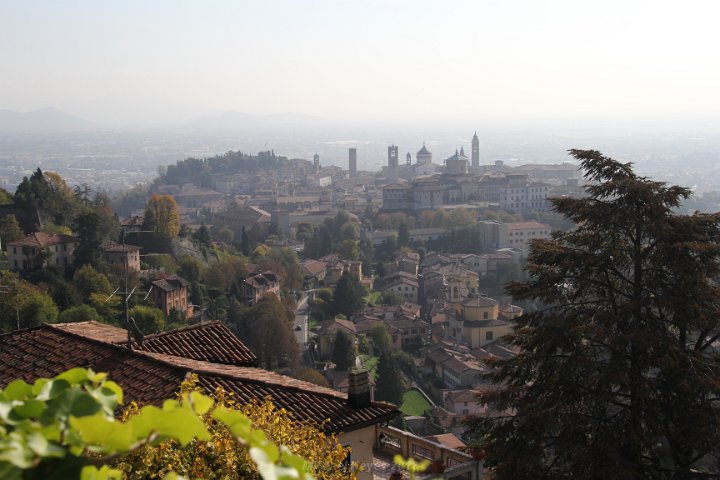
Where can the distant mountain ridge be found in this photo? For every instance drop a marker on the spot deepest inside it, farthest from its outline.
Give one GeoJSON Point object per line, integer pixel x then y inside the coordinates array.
{"type": "Point", "coordinates": [44, 120]}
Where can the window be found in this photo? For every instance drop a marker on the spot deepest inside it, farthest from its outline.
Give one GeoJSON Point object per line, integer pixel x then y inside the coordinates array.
{"type": "Point", "coordinates": [489, 335]}
{"type": "Point", "coordinates": [15, 250]}
{"type": "Point", "coordinates": [485, 315]}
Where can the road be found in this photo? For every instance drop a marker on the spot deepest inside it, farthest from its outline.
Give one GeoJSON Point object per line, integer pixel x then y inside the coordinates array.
{"type": "Point", "coordinates": [301, 321]}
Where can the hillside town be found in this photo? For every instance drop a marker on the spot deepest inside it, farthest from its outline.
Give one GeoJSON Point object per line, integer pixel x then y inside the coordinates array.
{"type": "Point", "coordinates": [381, 292]}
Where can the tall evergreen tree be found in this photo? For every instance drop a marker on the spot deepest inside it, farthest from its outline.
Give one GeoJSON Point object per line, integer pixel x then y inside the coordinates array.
{"type": "Point", "coordinates": [88, 230]}
{"type": "Point", "coordinates": [389, 385]}
{"type": "Point", "coordinates": [343, 353]}
{"type": "Point", "coordinates": [348, 297]}
{"type": "Point", "coordinates": [245, 243]}
{"type": "Point", "coordinates": [617, 376]}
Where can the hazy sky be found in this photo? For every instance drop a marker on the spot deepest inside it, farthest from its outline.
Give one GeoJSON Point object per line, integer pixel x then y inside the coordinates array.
{"type": "Point", "coordinates": [385, 59]}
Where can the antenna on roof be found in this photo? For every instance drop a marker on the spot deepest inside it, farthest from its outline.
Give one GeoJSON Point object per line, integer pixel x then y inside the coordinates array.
{"type": "Point", "coordinates": [130, 325]}
{"type": "Point", "coordinates": [136, 332]}
{"type": "Point", "coordinates": [112, 295]}
{"type": "Point", "coordinates": [148, 294]}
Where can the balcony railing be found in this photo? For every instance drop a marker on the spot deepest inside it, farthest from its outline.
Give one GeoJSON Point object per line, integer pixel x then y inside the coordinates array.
{"type": "Point", "coordinates": [456, 464]}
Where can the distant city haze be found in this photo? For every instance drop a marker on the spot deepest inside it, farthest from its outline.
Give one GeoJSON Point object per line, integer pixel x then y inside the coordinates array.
{"type": "Point", "coordinates": [464, 63]}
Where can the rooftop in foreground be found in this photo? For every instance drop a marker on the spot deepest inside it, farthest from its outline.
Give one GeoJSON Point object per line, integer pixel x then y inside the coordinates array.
{"type": "Point", "coordinates": [149, 377]}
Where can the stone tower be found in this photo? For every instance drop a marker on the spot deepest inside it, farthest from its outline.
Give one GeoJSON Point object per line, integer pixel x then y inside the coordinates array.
{"type": "Point", "coordinates": [352, 162]}
{"type": "Point", "coordinates": [408, 159]}
{"type": "Point", "coordinates": [393, 163]}
{"type": "Point", "coordinates": [316, 162]}
{"type": "Point", "coordinates": [475, 151]}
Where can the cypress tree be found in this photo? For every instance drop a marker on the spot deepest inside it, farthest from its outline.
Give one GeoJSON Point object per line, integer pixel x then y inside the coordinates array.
{"type": "Point", "coordinates": [617, 376]}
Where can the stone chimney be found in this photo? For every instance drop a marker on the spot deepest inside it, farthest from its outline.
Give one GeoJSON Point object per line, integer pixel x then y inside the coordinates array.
{"type": "Point", "coordinates": [358, 388]}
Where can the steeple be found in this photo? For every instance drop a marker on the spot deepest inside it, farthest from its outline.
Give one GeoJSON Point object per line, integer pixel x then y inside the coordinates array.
{"type": "Point", "coordinates": [462, 151]}
{"type": "Point", "coordinates": [475, 151]}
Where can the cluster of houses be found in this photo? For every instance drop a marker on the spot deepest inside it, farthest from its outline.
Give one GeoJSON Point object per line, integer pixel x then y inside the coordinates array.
{"type": "Point", "coordinates": [297, 191]}
{"type": "Point", "coordinates": [439, 311]}
{"type": "Point", "coordinates": [42, 250]}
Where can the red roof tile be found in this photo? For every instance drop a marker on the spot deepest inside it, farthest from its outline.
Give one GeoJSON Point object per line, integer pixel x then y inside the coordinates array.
{"type": "Point", "coordinates": [46, 352]}
{"type": "Point", "coordinates": [150, 377]}
{"type": "Point", "coordinates": [42, 240]}
{"type": "Point", "coordinates": [209, 342]}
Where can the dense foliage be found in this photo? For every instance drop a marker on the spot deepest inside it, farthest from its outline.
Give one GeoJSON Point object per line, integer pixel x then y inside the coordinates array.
{"type": "Point", "coordinates": [221, 456]}
{"type": "Point", "coordinates": [199, 171]}
{"type": "Point", "coordinates": [618, 375]}
{"type": "Point", "coordinates": [162, 217]}
{"type": "Point", "coordinates": [64, 428]}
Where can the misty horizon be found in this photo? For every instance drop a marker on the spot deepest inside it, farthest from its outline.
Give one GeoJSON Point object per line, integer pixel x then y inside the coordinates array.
{"type": "Point", "coordinates": [393, 63]}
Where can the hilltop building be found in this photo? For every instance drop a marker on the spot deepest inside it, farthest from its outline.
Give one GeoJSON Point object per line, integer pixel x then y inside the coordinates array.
{"type": "Point", "coordinates": [457, 164]}
{"type": "Point", "coordinates": [41, 249]}
{"type": "Point", "coordinates": [423, 155]}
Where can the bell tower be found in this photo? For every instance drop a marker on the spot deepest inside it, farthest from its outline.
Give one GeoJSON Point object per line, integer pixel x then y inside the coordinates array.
{"type": "Point", "coordinates": [475, 151]}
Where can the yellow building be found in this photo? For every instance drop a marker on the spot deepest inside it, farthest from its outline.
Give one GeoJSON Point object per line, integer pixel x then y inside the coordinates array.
{"type": "Point", "coordinates": [477, 322]}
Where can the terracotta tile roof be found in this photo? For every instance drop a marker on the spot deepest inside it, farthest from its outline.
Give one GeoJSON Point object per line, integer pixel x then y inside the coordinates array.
{"type": "Point", "coordinates": [150, 377]}
{"type": "Point", "coordinates": [313, 267]}
{"type": "Point", "coordinates": [524, 225]}
{"type": "Point", "coordinates": [94, 331]}
{"type": "Point", "coordinates": [265, 279]}
{"type": "Point", "coordinates": [209, 342]}
{"type": "Point", "coordinates": [457, 366]}
{"type": "Point", "coordinates": [466, 395]}
{"type": "Point", "coordinates": [485, 323]}
{"type": "Point", "coordinates": [46, 352]}
{"type": "Point", "coordinates": [171, 283]}
{"type": "Point", "coordinates": [449, 440]}
{"type": "Point", "coordinates": [118, 247]}
{"type": "Point", "coordinates": [41, 240]}
{"type": "Point", "coordinates": [481, 302]}
{"type": "Point", "coordinates": [496, 349]}
{"type": "Point", "coordinates": [332, 326]}
{"type": "Point", "coordinates": [438, 356]}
